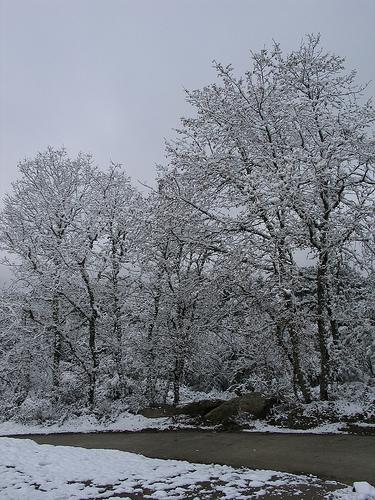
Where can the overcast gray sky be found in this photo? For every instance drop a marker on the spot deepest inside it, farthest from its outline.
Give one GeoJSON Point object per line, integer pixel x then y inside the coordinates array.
{"type": "Point", "coordinates": [107, 76]}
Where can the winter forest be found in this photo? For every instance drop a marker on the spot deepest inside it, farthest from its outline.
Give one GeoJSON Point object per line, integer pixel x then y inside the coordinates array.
{"type": "Point", "coordinates": [248, 265]}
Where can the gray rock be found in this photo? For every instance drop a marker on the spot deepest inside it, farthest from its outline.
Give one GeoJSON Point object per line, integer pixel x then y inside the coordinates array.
{"type": "Point", "coordinates": [194, 409]}
{"type": "Point", "coordinates": [223, 413]}
{"type": "Point", "coordinates": [160, 411]}
{"type": "Point", "coordinates": [200, 408]}
{"type": "Point", "coordinates": [254, 404]}
{"type": "Point", "coordinates": [216, 411]}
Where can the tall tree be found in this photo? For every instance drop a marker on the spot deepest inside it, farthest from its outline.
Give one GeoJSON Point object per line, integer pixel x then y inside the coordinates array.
{"type": "Point", "coordinates": [286, 155]}
{"type": "Point", "coordinates": [37, 223]}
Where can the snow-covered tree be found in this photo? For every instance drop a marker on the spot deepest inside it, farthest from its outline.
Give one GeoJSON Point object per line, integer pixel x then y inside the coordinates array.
{"type": "Point", "coordinates": [285, 153]}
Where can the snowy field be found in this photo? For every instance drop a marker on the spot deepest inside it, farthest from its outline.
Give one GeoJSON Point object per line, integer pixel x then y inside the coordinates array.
{"type": "Point", "coordinates": [32, 471]}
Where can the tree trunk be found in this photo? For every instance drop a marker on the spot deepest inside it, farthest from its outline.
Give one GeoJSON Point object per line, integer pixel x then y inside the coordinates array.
{"type": "Point", "coordinates": [297, 370]}
{"type": "Point", "coordinates": [321, 285]}
{"type": "Point", "coordinates": [117, 331]}
{"type": "Point", "coordinates": [92, 345]}
{"type": "Point", "coordinates": [299, 380]}
{"type": "Point", "coordinates": [292, 320]}
{"type": "Point", "coordinates": [56, 342]}
{"type": "Point", "coordinates": [150, 377]}
{"type": "Point", "coordinates": [177, 379]}
{"type": "Point", "coordinates": [92, 335]}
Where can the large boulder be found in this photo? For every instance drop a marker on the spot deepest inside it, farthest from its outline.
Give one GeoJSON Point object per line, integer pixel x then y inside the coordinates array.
{"type": "Point", "coordinates": [200, 408]}
{"type": "Point", "coordinates": [160, 411]}
{"type": "Point", "coordinates": [216, 411]}
{"type": "Point", "coordinates": [194, 409]}
{"type": "Point", "coordinates": [254, 404]}
{"type": "Point", "coordinates": [224, 413]}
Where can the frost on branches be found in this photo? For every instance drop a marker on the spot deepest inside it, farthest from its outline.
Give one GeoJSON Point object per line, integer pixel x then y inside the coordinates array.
{"type": "Point", "coordinates": [251, 266]}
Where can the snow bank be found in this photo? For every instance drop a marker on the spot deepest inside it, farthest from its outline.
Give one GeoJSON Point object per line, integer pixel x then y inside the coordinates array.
{"type": "Point", "coordinates": [33, 471]}
{"type": "Point", "coordinates": [129, 422]}
{"type": "Point", "coordinates": [261, 426]}
{"type": "Point", "coordinates": [365, 490]}
{"type": "Point", "coordinates": [125, 422]}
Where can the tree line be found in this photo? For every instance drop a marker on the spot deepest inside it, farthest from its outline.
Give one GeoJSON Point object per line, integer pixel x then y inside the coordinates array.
{"type": "Point", "coordinates": [248, 266]}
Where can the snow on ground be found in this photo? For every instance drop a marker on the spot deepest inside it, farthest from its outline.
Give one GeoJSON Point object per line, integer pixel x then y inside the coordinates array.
{"type": "Point", "coordinates": [364, 490]}
{"type": "Point", "coordinates": [125, 422]}
{"type": "Point", "coordinates": [129, 422]}
{"type": "Point", "coordinates": [261, 426]}
{"type": "Point", "coordinates": [32, 471]}
{"type": "Point", "coordinates": [340, 409]}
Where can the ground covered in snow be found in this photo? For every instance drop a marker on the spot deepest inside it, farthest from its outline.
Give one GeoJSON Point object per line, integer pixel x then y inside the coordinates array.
{"type": "Point", "coordinates": [33, 471]}
{"type": "Point", "coordinates": [325, 416]}
{"type": "Point", "coordinates": [87, 423]}
{"type": "Point", "coordinates": [133, 423]}
{"type": "Point", "coordinates": [355, 404]}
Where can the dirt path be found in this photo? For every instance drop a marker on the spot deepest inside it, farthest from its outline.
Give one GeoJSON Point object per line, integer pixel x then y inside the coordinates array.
{"type": "Point", "coordinates": [343, 458]}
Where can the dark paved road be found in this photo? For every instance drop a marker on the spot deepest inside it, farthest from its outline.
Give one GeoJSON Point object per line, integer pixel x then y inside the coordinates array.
{"type": "Point", "coordinates": [343, 458]}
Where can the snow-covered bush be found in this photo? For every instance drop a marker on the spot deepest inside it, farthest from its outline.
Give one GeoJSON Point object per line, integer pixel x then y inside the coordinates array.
{"type": "Point", "coordinates": [35, 409]}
